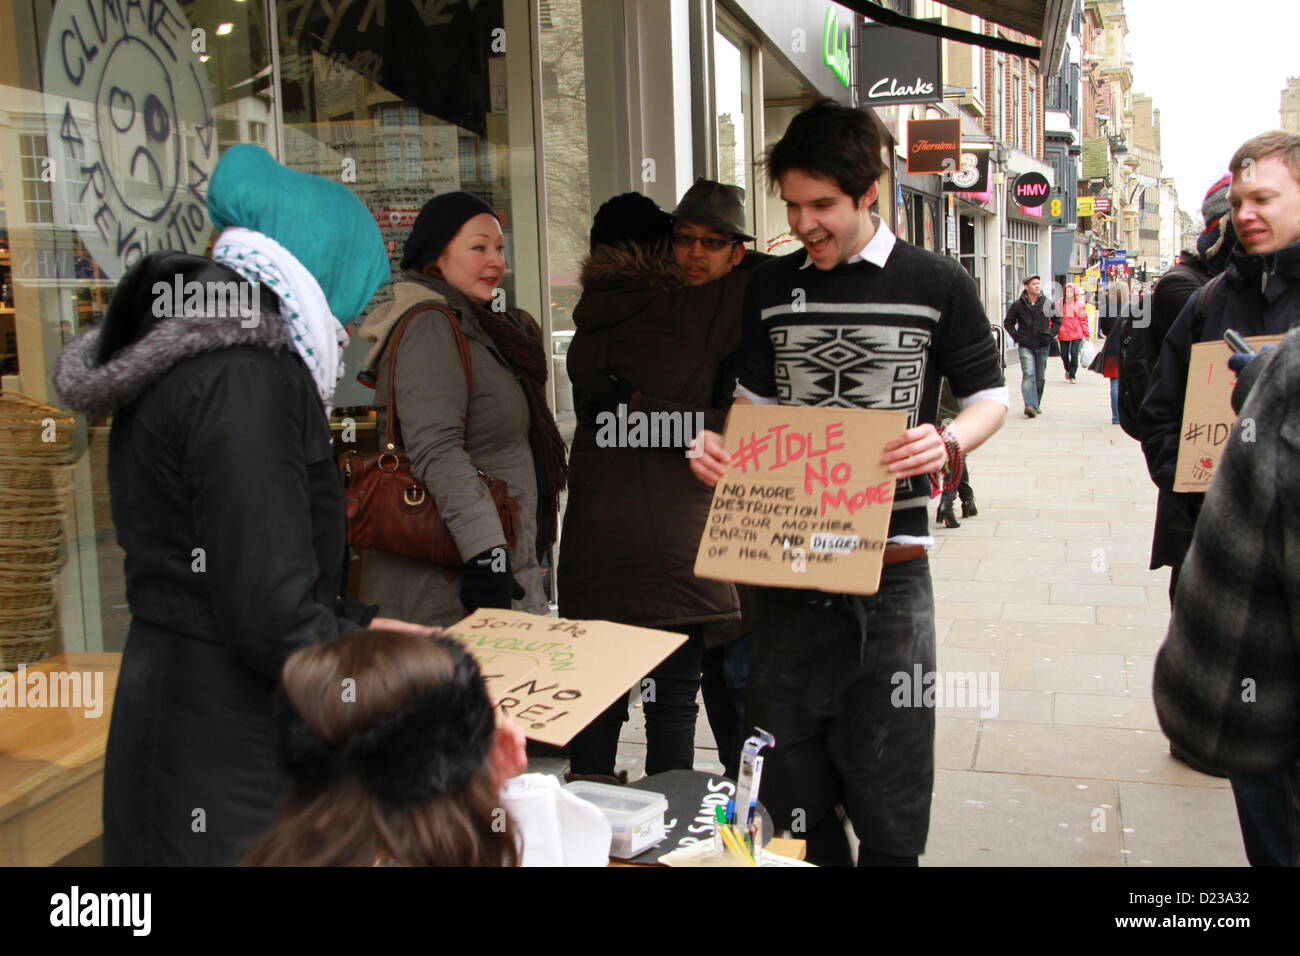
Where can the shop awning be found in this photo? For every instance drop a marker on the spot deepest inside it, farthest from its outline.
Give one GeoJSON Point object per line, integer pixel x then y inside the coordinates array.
{"type": "Point", "coordinates": [1046, 19]}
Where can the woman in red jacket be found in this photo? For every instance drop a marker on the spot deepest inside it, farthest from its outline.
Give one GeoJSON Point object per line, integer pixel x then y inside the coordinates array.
{"type": "Point", "coordinates": [1074, 329]}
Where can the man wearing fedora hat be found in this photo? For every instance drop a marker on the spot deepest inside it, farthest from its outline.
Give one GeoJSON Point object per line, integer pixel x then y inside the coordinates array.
{"type": "Point", "coordinates": [708, 242]}
{"type": "Point", "coordinates": [709, 231]}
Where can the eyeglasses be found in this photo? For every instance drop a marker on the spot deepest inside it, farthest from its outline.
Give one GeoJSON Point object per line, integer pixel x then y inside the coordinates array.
{"type": "Point", "coordinates": [682, 241]}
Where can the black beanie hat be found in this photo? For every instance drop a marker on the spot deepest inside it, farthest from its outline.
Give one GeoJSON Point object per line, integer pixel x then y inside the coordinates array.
{"type": "Point", "coordinates": [436, 225]}
{"type": "Point", "coordinates": [630, 217]}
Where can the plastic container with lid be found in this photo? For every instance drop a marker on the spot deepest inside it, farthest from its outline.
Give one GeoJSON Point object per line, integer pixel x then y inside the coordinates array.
{"type": "Point", "coordinates": [636, 816]}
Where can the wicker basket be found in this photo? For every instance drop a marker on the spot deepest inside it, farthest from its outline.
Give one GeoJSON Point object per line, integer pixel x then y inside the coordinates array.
{"type": "Point", "coordinates": [24, 427]}
{"type": "Point", "coordinates": [29, 647]}
{"type": "Point", "coordinates": [24, 595]}
{"type": "Point", "coordinates": [30, 557]}
{"type": "Point", "coordinates": [21, 620]}
{"type": "Point", "coordinates": [31, 524]}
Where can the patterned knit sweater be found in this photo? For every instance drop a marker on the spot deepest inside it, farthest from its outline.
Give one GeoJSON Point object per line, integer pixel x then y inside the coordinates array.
{"type": "Point", "coordinates": [863, 336]}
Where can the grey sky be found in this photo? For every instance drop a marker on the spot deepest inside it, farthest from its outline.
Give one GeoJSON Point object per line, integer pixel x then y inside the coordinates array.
{"type": "Point", "coordinates": [1216, 72]}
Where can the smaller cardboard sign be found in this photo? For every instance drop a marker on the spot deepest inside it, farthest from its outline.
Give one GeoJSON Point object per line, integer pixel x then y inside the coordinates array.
{"type": "Point", "coordinates": [806, 502]}
{"type": "Point", "coordinates": [934, 146]}
{"type": "Point", "coordinates": [555, 676]}
{"type": "Point", "coordinates": [1207, 412]}
{"type": "Point", "coordinates": [1101, 204]}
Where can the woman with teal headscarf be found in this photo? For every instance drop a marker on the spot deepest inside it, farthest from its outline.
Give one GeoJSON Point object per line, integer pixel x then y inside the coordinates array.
{"type": "Point", "coordinates": [218, 374]}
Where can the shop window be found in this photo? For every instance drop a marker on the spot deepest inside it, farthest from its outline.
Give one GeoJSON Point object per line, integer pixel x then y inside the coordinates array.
{"type": "Point", "coordinates": [38, 206]}
{"type": "Point", "coordinates": [56, 271]}
{"type": "Point", "coordinates": [732, 99]}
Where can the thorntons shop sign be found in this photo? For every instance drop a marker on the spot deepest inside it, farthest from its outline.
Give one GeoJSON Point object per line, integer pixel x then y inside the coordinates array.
{"type": "Point", "coordinates": [898, 66]}
{"type": "Point", "coordinates": [129, 115]}
{"type": "Point", "coordinates": [933, 146]}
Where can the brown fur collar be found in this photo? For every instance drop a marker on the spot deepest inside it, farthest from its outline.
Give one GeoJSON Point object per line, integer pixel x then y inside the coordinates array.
{"type": "Point", "coordinates": [624, 263]}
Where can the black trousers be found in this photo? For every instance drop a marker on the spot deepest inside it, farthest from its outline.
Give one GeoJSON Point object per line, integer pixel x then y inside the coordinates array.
{"type": "Point", "coordinates": [825, 681]}
{"type": "Point", "coordinates": [670, 713]}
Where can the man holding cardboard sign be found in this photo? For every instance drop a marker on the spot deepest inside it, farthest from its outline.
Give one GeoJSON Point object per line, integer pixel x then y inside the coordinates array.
{"type": "Point", "coordinates": [855, 320]}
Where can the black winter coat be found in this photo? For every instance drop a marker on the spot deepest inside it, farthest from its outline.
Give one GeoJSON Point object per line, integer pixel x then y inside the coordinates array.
{"type": "Point", "coordinates": [227, 501]}
{"type": "Point", "coordinates": [1176, 511]}
{"type": "Point", "coordinates": [1030, 326]}
{"type": "Point", "coordinates": [1260, 295]}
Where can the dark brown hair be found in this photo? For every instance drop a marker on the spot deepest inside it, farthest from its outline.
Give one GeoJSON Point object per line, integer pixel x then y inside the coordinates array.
{"type": "Point", "coordinates": [386, 737]}
{"type": "Point", "coordinates": [833, 142]}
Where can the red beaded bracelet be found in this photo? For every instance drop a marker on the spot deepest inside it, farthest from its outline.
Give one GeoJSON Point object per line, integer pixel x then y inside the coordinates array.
{"type": "Point", "coordinates": [950, 477]}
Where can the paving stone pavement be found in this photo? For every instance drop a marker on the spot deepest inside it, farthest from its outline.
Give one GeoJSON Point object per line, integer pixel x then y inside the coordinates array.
{"type": "Point", "coordinates": [1048, 589]}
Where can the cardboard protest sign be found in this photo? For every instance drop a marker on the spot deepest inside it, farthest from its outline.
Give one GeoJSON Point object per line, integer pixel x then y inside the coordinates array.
{"type": "Point", "coordinates": [806, 501]}
{"type": "Point", "coordinates": [1207, 412]}
{"type": "Point", "coordinates": [554, 675]}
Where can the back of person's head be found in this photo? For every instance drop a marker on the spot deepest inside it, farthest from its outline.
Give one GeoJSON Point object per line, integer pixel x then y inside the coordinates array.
{"type": "Point", "coordinates": [323, 224]}
{"type": "Point", "coordinates": [832, 142]}
{"type": "Point", "coordinates": [632, 220]}
{"type": "Point", "coordinates": [386, 738]}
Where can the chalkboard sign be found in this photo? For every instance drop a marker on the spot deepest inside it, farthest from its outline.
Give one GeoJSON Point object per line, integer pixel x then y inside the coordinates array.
{"type": "Point", "coordinates": [692, 797]}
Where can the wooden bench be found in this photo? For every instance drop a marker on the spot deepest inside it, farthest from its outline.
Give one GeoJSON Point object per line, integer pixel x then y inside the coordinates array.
{"type": "Point", "coordinates": [52, 767]}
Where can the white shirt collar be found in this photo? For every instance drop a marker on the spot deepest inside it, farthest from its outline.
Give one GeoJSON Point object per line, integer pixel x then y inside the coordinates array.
{"type": "Point", "coordinates": [876, 251]}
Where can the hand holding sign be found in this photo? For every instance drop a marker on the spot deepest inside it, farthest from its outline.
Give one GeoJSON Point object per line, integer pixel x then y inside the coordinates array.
{"type": "Point", "coordinates": [710, 459]}
{"type": "Point", "coordinates": [1208, 415]}
{"type": "Point", "coordinates": [918, 451]}
{"type": "Point", "coordinates": [804, 499]}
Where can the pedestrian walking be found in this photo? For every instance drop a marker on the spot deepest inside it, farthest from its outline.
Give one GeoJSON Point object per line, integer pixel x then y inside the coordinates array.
{"type": "Point", "coordinates": [1112, 309]}
{"type": "Point", "coordinates": [1033, 330]}
{"type": "Point", "coordinates": [1073, 311]}
{"type": "Point", "coordinates": [893, 311]}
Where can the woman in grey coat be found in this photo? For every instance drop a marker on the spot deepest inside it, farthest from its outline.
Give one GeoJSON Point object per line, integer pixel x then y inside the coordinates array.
{"type": "Point", "coordinates": [500, 426]}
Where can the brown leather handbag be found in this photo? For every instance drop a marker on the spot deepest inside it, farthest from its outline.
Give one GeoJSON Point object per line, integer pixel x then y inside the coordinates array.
{"type": "Point", "coordinates": [387, 508]}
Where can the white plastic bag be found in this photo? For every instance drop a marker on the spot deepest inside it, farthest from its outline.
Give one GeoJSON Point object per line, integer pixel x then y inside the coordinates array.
{"type": "Point", "coordinates": [1087, 352]}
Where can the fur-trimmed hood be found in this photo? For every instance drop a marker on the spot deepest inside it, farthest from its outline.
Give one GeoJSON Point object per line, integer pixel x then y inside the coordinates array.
{"type": "Point", "coordinates": [621, 281]}
{"type": "Point", "coordinates": [629, 264]}
{"type": "Point", "coordinates": [108, 366]}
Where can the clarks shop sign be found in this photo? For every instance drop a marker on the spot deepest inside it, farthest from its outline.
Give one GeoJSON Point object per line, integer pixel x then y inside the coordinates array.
{"type": "Point", "coordinates": [131, 135]}
{"type": "Point", "coordinates": [898, 66]}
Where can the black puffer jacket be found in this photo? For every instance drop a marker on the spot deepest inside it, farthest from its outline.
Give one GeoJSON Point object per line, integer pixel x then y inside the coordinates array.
{"type": "Point", "coordinates": [228, 504]}
{"type": "Point", "coordinates": [1260, 295]}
